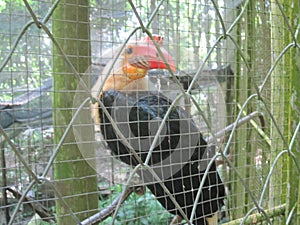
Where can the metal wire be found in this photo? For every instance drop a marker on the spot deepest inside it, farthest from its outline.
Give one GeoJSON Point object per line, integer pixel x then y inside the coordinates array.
{"type": "Point", "coordinates": [225, 151]}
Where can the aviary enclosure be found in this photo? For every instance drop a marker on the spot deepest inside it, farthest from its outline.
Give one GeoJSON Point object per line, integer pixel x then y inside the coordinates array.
{"type": "Point", "coordinates": [233, 72]}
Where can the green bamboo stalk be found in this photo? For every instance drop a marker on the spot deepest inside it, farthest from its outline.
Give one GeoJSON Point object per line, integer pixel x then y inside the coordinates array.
{"type": "Point", "coordinates": [257, 218]}
{"type": "Point", "coordinates": [293, 197]}
{"type": "Point", "coordinates": [251, 43]}
{"type": "Point", "coordinates": [241, 144]}
{"type": "Point", "coordinates": [279, 132]}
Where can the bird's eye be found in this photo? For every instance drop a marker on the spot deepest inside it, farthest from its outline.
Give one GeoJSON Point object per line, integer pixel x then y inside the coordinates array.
{"type": "Point", "coordinates": [128, 51]}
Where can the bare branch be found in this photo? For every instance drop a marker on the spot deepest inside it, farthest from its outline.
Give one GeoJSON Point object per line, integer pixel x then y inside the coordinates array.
{"type": "Point", "coordinates": [108, 211]}
{"type": "Point", "coordinates": [41, 210]}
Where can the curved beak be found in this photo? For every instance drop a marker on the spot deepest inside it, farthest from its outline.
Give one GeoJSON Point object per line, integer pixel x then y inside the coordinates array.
{"type": "Point", "coordinates": [147, 57]}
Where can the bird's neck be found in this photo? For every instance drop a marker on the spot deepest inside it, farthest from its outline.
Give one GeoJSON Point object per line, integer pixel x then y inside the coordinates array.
{"type": "Point", "coordinates": [118, 79]}
{"type": "Point", "coordinates": [126, 77]}
{"type": "Point", "coordinates": [121, 82]}
{"type": "Point", "coordinates": [116, 82]}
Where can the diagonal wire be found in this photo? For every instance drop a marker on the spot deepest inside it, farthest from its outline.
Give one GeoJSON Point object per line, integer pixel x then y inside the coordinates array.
{"type": "Point", "coordinates": [33, 15]}
{"type": "Point", "coordinates": [62, 139]}
{"type": "Point", "coordinates": [15, 44]}
{"type": "Point", "coordinates": [48, 166]}
{"type": "Point", "coordinates": [238, 17]}
{"type": "Point", "coordinates": [18, 154]}
{"type": "Point", "coordinates": [152, 16]}
{"type": "Point", "coordinates": [273, 67]}
{"type": "Point", "coordinates": [286, 20]}
{"type": "Point", "coordinates": [270, 174]}
{"type": "Point", "coordinates": [259, 89]}
{"type": "Point", "coordinates": [25, 28]}
{"type": "Point", "coordinates": [120, 134]}
{"type": "Point", "coordinates": [17, 207]}
{"type": "Point", "coordinates": [50, 12]}
{"type": "Point", "coordinates": [115, 59]}
{"type": "Point", "coordinates": [220, 17]}
{"type": "Point", "coordinates": [146, 30]}
{"type": "Point", "coordinates": [256, 95]}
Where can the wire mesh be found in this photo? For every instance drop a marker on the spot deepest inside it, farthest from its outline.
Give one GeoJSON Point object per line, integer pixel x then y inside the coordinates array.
{"type": "Point", "coordinates": [236, 80]}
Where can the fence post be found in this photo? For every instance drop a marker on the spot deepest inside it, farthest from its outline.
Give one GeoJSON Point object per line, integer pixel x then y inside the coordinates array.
{"type": "Point", "coordinates": [75, 179]}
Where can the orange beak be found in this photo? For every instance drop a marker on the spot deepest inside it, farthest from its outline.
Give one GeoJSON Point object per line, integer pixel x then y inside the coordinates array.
{"type": "Point", "coordinates": [147, 57]}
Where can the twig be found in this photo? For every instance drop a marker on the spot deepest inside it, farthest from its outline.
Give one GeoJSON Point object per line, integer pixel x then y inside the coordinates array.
{"type": "Point", "coordinates": [227, 129]}
{"type": "Point", "coordinates": [176, 220]}
{"type": "Point", "coordinates": [43, 212]}
{"type": "Point", "coordinates": [108, 211]}
{"type": "Point", "coordinates": [257, 218]}
{"type": "Point", "coordinates": [257, 128]}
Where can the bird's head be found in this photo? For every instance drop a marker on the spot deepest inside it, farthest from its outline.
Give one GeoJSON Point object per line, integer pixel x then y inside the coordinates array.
{"type": "Point", "coordinates": [126, 71]}
{"type": "Point", "coordinates": [143, 55]}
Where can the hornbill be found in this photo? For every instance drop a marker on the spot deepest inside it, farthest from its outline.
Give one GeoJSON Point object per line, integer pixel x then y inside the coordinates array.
{"type": "Point", "coordinates": [139, 111]}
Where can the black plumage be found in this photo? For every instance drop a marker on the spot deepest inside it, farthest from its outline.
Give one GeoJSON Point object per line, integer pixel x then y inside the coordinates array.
{"type": "Point", "coordinates": [176, 157]}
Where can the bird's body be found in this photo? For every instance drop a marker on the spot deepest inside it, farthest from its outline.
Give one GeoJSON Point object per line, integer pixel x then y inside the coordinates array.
{"type": "Point", "coordinates": [184, 183]}
{"type": "Point", "coordinates": [177, 149]}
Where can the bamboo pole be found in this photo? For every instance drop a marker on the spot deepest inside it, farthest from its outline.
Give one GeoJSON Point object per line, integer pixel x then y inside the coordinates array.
{"type": "Point", "coordinates": [257, 217]}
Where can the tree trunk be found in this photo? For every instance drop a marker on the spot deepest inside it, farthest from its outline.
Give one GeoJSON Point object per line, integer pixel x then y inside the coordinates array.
{"type": "Point", "coordinates": [75, 179]}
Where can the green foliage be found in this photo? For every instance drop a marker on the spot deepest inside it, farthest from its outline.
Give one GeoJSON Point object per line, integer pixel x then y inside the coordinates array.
{"type": "Point", "coordinates": [137, 209]}
{"type": "Point", "coordinates": [2, 5]}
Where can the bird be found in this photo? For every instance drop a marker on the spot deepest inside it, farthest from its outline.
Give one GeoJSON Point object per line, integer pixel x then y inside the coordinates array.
{"type": "Point", "coordinates": [130, 69]}
{"type": "Point", "coordinates": [139, 112]}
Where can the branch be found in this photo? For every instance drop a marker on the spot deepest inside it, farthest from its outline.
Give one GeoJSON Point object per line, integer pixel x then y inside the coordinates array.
{"type": "Point", "coordinates": [30, 94]}
{"type": "Point", "coordinates": [41, 210]}
{"type": "Point", "coordinates": [229, 128]}
{"type": "Point", "coordinates": [258, 217]}
{"type": "Point", "coordinates": [108, 211]}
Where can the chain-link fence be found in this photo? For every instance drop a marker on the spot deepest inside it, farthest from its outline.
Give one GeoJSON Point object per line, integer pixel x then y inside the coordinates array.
{"type": "Point", "coordinates": [195, 107]}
